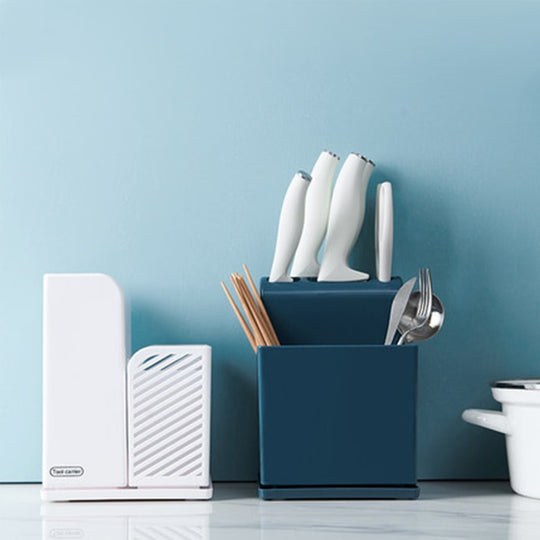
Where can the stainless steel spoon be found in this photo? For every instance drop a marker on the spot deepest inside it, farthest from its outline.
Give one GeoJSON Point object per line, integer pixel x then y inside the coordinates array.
{"type": "Point", "coordinates": [408, 322]}
{"type": "Point", "coordinates": [423, 309]}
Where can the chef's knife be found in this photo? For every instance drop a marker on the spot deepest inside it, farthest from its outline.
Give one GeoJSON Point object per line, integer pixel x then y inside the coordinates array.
{"type": "Point", "coordinates": [347, 211]}
{"type": "Point", "coordinates": [318, 197]}
{"type": "Point", "coordinates": [291, 220]}
{"type": "Point", "coordinates": [398, 308]}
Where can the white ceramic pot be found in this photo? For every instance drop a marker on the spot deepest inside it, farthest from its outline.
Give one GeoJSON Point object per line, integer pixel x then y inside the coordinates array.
{"type": "Point", "coordinates": [520, 422]}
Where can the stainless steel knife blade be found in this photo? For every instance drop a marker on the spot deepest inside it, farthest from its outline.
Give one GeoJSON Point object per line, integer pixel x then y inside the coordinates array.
{"type": "Point", "coordinates": [398, 307]}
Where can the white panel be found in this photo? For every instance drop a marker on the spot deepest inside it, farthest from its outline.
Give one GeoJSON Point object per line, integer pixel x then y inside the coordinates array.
{"type": "Point", "coordinates": [84, 363]}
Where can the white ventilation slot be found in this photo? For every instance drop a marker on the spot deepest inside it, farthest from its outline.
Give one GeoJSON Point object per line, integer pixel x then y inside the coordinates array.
{"type": "Point", "coordinates": [169, 416]}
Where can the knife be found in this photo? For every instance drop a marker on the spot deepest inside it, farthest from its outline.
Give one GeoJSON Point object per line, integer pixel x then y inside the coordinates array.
{"type": "Point", "coordinates": [398, 308]}
{"type": "Point", "coordinates": [291, 220]}
{"type": "Point", "coordinates": [384, 232]}
{"type": "Point", "coordinates": [347, 211]}
{"type": "Point", "coordinates": [318, 197]}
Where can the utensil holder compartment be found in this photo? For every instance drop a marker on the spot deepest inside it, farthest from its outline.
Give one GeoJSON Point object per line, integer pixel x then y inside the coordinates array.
{"type": "Point", "coordinates": [307, 312]}
{"type": "Point", "coordinates": [337, 421]}
{"type": "Point", "coordinates": [337, 408]}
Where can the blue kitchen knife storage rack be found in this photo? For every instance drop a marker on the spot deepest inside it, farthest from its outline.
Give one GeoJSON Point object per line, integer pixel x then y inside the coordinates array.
{"type": "Point", "coordinates": [307, 312]}
{"type": "Point", "coordinates": [338, 419]}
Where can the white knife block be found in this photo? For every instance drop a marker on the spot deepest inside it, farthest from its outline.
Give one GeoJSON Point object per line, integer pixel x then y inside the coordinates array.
{"type": "Point", "coordinates": [116, 427]}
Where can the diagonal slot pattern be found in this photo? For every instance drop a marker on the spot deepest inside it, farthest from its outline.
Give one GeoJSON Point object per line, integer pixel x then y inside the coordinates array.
{"type": "Point", "coordinates": [165, 421]}
{"type": "Point", "coordinates": [176, 452]}
{"type": "Point", "coordinates": [154, 381]}
{"type": "Point", "coordinates": [191, 471]}
{"type": "Point", "coordinates": [167, 416]}
{"type": "Point", "coordinates": [177, 469]}
{"type": "Point", "coordinates": [162, 532]}
{"type": "Point", "coordinates": [195, 459]}
{"type": "Point", "coordinates": [170, 463]}
{"type": "Point", "coordinates": [174, 362]}
{"type": "Point", "coordinates": [140, 457]}
{"type": "Point", "coordinates": [160, 384]}
{"type": "Point", "coordinates": [146, 360]}
{"type": "Point", "coordinates": [166, 433]}
{"type": "Point", "coordinates": [143, 535]}
{"type": "Point", "coordinates": [149, 404]}
{"type": "Point", "coordinates": [157, 362]}
{"type": "Point", "coordinates": [155, 376]}
{"type": "Point", "coordinates": [158, 411]}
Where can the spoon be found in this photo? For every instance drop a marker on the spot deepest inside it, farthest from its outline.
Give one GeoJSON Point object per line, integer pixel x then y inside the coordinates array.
{"type": "Point", "coordinates": [409, 324]}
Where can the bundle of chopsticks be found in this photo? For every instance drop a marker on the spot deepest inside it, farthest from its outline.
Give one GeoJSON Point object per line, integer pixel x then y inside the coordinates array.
{"type": "Point", "coordinates": [258, 328]}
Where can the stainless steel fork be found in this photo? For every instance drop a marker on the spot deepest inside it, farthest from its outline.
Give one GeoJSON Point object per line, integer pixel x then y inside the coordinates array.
{"type": "Point", "coordinates": [423, 311]}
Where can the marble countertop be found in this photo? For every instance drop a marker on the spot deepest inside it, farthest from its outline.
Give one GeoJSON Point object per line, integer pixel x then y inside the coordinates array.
{"type": "Point", "coordinates": [445, 510]}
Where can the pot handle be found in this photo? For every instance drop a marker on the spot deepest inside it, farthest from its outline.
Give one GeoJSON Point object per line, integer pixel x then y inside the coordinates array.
{"type": "Point", "coordinates": [494, 420]}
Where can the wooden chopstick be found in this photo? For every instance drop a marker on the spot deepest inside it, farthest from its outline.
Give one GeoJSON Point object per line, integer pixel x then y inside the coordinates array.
{"type": "Point", "coordinates": [275, 340]}
{"type": "Point", "coordinates": [241, 320]}
{"type": "Point", "coordinates": [258, 328]}
{"type": "Point", "coordinates": [267, 332]}
{"type": "Point", "coordinates": [251, 317]}
{"type": "Point", "coordinates": [267, 338]}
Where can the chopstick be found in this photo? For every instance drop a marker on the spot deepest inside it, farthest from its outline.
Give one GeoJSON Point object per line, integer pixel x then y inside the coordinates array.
{"type": "Point", "coordinates": [266, 318]}
{"type": "Point", "coordinates": [251, 313]}
{"type": "Point", "coordinates": [240, 318]}
{"type": "Point", "coordinates": [258, 328]}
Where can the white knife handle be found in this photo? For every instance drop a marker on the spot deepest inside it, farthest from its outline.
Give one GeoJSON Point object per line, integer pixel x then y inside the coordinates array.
{"type": "Point", "coordinates": [347, 211]}
{"type": "Point", "coordinates": [290, 226]}
{"type": "Point", "coordinates": [384, 232]}
{"type": "Point", "coordinates": [318, 197]}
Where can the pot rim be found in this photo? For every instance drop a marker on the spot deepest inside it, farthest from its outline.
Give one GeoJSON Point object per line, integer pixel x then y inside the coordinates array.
{"type": "Point", "coordinates": [517, 384]}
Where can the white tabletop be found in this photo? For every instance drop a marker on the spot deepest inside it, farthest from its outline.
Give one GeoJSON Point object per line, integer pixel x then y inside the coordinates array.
{"type": "Point", "coordinates": [445, 510]}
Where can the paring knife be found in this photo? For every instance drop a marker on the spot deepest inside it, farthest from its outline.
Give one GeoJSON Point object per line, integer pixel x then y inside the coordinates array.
{"type": "Point", "coordinates": [291, 220]}
{"type": "Point", "coordinates": [384, 232]}
{"type": "Point", "coordinates": [347, 211]}
{"type": "Point", "coordinates": [398, 308]}
{"type": "Point", "coordinates": [318, 197]}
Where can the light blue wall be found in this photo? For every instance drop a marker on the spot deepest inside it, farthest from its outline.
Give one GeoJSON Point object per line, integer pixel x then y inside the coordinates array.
{"type": "Point", "coordinates": [154, 141]}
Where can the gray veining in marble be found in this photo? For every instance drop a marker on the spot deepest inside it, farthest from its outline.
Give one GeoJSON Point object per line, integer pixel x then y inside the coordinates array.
{"type": "Point", "coordinates": [475, 510]}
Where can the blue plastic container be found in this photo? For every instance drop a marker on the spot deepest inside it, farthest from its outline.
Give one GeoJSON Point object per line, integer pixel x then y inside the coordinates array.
{"type": "Point", "coordinates": [310, 313]}
{"type": "Point", "coordinates": [337, 421]}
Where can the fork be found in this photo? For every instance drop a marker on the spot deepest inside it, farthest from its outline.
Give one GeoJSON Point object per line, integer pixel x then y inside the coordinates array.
{"type": "Point", "coordinates": [423, 311]}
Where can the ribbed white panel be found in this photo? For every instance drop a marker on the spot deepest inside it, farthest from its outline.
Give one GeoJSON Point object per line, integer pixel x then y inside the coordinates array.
{"type": "Point", "coordinates": [169, 416]}
{"type": "Point", "coordinates": [167, 532]}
